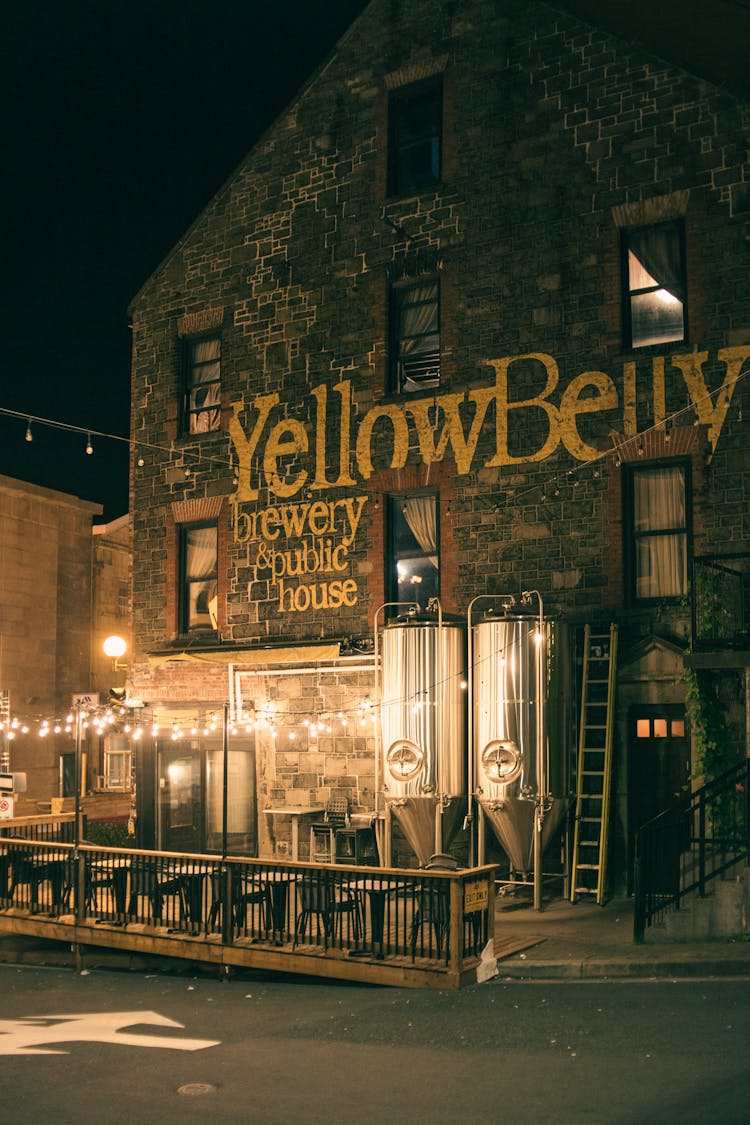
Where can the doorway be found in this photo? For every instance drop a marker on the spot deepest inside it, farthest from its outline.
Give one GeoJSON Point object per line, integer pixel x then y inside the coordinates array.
{"type": "Point", "coordinates": [181, 799]}
{"type": "Point", "coordinates": [658, 766]}
{"type": "Point", "coordinates": [193, 798]}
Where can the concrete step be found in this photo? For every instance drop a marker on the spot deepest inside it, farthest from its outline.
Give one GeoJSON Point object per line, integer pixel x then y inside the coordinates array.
{"type": "Point", "coordinates": [722, 913]}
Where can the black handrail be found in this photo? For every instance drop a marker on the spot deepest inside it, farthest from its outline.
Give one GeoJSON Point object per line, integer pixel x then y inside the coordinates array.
{"type": "Point", "coordinates": [681, 850]}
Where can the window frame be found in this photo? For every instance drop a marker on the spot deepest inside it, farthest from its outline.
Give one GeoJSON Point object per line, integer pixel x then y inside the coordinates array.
{"type": "Point", "coordinates": [186, 582]}
{"type": "Point", "coordinates": [189, 384]}
{"type": "Point", "coordinates": [630, 294]}
{"type": "Point", "coordinates": [632, 536]}
{"type": "Point", "coordinates": [393, 556]}
{"type": "Point", "coordinates": [397, 302]}
{"type": "Point", "coordinates": [400, 180]}
{"type": "Point", "coordinates": [120, 780]}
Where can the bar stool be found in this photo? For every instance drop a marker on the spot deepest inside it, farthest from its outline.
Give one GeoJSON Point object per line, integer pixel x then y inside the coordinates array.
{"type": "Point", "coordinates": [323, 833]}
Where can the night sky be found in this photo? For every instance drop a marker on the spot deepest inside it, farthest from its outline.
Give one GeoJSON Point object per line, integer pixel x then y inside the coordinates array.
{"type": "Point", "coordinates": [122, 119]}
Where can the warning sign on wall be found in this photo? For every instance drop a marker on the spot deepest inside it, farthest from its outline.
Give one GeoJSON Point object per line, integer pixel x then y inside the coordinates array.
{"type": "Point", "coordinates": [6, 808]}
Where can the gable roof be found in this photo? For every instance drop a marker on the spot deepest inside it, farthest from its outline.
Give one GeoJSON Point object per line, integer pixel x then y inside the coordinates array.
{"type": "Point", "coordinates": [710, 39]}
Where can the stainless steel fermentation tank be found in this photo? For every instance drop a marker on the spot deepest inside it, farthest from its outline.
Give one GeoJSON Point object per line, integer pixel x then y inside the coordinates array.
{"type": "Point", "coordinates": [423, 725]}
{"type": "Point", "coordinates": [518, 730]}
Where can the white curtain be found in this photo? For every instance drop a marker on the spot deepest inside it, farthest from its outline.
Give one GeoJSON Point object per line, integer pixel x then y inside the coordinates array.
{"type": "Point", "coordinates": [420, 513]}
{"type": "Point", "coordinates": [205, 392]}
{"type": "Point", "coordinates": [200, 568]}
{"type": "Point", "coordinates": [661, 558]}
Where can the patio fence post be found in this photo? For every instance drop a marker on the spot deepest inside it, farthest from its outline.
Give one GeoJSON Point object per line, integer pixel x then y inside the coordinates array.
{"type": "Point", "coordinates": [456, 924]}
{"type": "Point", "coordinates": [79, 865]}
{"type": "Point", "coordinates": [227, 914]}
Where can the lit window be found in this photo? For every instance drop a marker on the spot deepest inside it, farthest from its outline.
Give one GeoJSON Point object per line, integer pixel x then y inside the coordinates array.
{"type": "Point", "coordinates": [660, 728]}
{"type": "Point", "coordinates": [415, 122]}
{"type": "Point", "coordinates": [643, 728]}
{"type": "Point", "coordinates": [117, 763]}
{"type": "Point", "coordinates": [202, 397]}
{"type": "Point", "coordinates": [658, 532]}
{"type": "Point", "coordinates": [655, 284]}
{"type": "Point", "coordinates": [199, 577]}
{"type": "Point", "coordinates": [414, 562]}
{"type": "Point", "coordinates": [415, 336]}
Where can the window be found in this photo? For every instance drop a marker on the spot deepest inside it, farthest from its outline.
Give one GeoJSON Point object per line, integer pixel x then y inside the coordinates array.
{"type": "Point", "coordinates": [199, 573]}
{"type": "Point", "coordinates": [415, 336]}
{"type": "Point", "coordinates": [658, 546]}
{"type": "Point", "coordinates": [413, 573]}
{"type": "Point", "coordinates": [654, 270]}
{"type": "Point", "coordinates": [202, 397]}
{"type": "Point", "coordinates": [117, 762]}
{"type": "Point", "coordinates": [415, 120]}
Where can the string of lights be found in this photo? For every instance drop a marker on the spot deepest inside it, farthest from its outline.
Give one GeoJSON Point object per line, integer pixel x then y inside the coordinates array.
{"type": "Point", "coordinates": [105, 719]}
{"type": "Point", "coordinates": [550, 484]}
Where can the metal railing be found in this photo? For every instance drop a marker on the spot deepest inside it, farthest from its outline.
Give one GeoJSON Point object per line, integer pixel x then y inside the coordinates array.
{"type": "Point", "coordinates": [373, 914]}
{"type": "Point", "coordinates": [58, 828]}
{"type": "Point", "coordinates": [684, 848]}
{"type": "Point", "coordinates": [721, 600]}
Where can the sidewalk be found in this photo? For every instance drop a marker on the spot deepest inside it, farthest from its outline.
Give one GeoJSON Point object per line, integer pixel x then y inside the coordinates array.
{"type": "Point", "coordinates": [583, 941]}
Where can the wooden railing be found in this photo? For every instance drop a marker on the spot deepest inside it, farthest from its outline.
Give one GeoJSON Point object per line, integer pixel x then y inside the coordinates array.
{"type": "Point", "coordinates": [368, 923]}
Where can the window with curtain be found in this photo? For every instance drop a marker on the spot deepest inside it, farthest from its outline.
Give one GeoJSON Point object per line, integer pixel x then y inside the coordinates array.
{"type": "Point", "coordinates": [655, 284]}
{"type": "Point", "coordinates": [415, 336]}
{"type": "Point", "coordinates": [415, 125]}
{"type": "Point", "coordinates": [413, 565]}
{"type": "Point", "coordinates": [202, 396]}
{"type": "Point", "coordinates": [199, 578]}
{"type": "Point", "coordinates": [658, 529]}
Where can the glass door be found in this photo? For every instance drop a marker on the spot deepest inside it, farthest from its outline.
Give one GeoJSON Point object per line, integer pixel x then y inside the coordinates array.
{"type": "Point", "coordinates": [241, 806]}
{"type": "Point", "coordinates": [181, 799]}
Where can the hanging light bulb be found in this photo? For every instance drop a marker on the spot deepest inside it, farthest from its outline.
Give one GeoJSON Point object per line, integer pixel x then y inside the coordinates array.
{"type": "Point", "coordinates": [29, 435]}
{"type": "Point", "coordinates": [89, 446]}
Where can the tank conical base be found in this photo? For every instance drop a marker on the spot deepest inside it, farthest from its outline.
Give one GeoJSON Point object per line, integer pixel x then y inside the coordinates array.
{"type": "Point", "coordinates": [512, 820]}
{"type": "Point", "coordinates": [428, 825]}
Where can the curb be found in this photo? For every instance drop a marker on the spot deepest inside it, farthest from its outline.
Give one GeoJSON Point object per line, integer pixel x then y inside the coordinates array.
{"type": "Point", "coordinates": [622, 969]}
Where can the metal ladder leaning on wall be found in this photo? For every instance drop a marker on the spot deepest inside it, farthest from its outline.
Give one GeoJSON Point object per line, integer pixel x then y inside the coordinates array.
{"type": "Point", "coordinates": [594, 763]}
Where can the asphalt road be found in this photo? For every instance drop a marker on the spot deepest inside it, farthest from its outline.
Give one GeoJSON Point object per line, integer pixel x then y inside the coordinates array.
{"type": "Point", "coordinates": [283, 1051]}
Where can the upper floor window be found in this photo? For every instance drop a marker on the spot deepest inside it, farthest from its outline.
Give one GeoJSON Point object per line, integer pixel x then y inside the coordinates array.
{"type": "Point", "coordinates": [414, 320]}
{"type": "Point", "coordinates": [415, 126]}
{"type": "Point", "coordinates": [198, 577]}
{"type": "Point", "coordinates": [655, 284]}
{"type": "Point", "coordinates": [117, 763]}
{"type": "Point", "coordinates": [413, 564]}
{"type": "Point", "coordinates": [657, 522]}
{"type": "Point", "coordinates": [202, 388]}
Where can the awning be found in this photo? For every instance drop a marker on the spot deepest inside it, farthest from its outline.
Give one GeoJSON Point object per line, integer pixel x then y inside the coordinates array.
{"type": "Point", "coordinates": [254, 657]}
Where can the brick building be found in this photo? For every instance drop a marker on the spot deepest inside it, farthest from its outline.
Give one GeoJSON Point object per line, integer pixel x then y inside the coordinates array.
{"type": "Point", "coordinates": [468, 321]}
{"type": "Point", "coordinates": [64, 587]}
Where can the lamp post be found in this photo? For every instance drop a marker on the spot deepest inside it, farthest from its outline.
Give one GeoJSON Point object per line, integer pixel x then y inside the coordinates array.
{"type": "Point", "coordinates": [79, 715]}
{"type": "Point", "coordinates": [225, 783]}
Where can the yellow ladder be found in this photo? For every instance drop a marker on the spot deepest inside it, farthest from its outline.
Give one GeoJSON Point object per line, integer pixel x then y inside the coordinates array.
{"type": "Point", "coordinates": [596, 725]}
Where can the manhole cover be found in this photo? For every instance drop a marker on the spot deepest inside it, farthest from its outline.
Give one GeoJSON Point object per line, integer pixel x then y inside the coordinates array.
{"type": "Point", "coordinates": [197, 1088]}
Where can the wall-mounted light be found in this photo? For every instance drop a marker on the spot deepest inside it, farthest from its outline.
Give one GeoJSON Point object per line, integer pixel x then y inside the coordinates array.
{"type": "Point", "coordinates": [115, 647]}
{"type": "Point", "coordinates": [29, 435]}
{"type": "Point", "coordinates": [89, 446]}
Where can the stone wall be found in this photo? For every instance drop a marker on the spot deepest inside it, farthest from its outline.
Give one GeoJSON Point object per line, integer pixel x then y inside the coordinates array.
{"type": "Point", "coordinates": [556, 136]}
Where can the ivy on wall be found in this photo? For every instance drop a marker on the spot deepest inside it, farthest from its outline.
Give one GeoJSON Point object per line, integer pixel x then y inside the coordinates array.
{"type": "Point", "coordinates": [715, 749]}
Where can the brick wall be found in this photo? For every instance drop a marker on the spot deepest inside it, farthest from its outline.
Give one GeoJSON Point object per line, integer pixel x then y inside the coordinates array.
{"type": "Point", "coordinates": [553, 131]}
